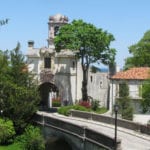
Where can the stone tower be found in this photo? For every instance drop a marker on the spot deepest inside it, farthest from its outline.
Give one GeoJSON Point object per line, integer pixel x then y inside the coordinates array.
{"type": "Point", "coordinates": [55, 22]}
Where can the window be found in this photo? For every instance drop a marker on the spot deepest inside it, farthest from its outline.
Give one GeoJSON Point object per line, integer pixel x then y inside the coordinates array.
{"type": "Point", "coordinates": [73, 65]}
{"type": "Point", "coordinates": [56, 30]}
{"type": "Point", "coordinates": [47, 62]}
{"type": "Point", "coordinates": [91, 78]}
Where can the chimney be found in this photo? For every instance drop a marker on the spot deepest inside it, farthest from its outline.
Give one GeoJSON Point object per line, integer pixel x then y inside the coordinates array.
{"type": "Point", "coordinates": [31, 44]}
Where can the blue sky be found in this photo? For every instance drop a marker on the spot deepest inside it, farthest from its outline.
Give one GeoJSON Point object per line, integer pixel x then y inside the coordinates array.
{"type": "Point", "coordinates": [127, 20]}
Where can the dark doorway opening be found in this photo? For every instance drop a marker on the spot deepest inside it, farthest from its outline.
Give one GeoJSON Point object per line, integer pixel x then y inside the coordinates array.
{"type": "Point", "coordinates": [57, 144]}
{"type": "Point", "coordinates": [45, 89]}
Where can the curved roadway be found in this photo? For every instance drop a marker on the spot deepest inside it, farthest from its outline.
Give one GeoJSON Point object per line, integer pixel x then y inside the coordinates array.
{"type": "Point", "coordinates": [130, 140]}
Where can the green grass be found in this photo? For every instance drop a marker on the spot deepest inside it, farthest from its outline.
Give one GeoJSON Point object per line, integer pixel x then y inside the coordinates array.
{"type": "Point", "coordinates": [101, 110]}
{"type": "Point", "coordinates": [65, 110]}
{"type": "Point", "coordinates": [14, 146]}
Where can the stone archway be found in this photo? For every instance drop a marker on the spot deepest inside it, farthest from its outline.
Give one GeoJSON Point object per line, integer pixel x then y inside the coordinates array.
{"type": "Point", "coordinates": [48, 91]}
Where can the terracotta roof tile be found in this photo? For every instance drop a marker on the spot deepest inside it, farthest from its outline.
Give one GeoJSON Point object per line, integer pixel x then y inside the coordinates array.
{"type": "Point", "coordinates": [140, 73]}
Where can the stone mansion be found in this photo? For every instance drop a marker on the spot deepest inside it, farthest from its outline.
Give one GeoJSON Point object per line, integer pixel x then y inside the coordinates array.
{"type": "Point", "coordinates": [59, 74]}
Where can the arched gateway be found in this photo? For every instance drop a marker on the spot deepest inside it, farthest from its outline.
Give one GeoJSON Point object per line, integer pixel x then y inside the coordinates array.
{"type": "Point", "coordinates": [48, 92]}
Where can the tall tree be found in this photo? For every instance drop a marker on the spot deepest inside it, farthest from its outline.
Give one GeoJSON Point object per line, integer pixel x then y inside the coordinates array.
{"type": "Point", "coordinates": [90, 43]}
{"type": "Point", "coordinates": [145, 103]}
{"type": "Point", "coordinates": [18, 92]}
{"type": "Point", "coordinates": [124, 101]}
{"type": "Point", "coordinates": [140, 53]}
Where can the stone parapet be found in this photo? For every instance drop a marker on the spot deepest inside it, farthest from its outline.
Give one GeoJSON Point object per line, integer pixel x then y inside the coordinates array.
{"type": "Point", "coordinates": [109, 120]}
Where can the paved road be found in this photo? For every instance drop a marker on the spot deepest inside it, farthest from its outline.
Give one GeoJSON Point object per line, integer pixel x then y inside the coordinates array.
{"type": "Point", "coordinates": [130, 140]}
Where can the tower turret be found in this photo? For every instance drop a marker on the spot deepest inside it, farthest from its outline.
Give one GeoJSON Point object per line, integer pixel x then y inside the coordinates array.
{"type": "Point", "coordinates": [55, 22]}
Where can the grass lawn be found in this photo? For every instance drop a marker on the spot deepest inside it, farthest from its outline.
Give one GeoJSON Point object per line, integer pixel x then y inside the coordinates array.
{"type": "Point", "coordinates": [14, 146]}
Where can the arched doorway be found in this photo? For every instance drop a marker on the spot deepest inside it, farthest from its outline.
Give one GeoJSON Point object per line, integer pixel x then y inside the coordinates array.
{"type": "Point", "coordinates": [48, 91]}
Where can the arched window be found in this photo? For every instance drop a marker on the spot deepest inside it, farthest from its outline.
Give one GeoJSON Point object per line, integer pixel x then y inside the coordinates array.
{"type": "Point", "coordinates": [47, 62]}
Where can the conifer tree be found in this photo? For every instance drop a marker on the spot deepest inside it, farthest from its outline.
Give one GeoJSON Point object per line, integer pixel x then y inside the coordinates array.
{"type": "Point", "coordinates": [19, 94]}
{"type": "Point", "coordinates": [124, 102]}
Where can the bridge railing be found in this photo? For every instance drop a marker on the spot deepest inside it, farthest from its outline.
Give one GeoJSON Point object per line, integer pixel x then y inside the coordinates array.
{"type": "Point", "coordinates": [109, 120]}
{"type": "Point", "coordinates": [66, 126]}
{"type": "Point", "coordinates": [80, 131]}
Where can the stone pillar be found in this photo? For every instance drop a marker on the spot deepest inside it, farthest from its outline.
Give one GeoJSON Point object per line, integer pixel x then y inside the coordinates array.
{"type": "Point", "coordinates": [50, 100]}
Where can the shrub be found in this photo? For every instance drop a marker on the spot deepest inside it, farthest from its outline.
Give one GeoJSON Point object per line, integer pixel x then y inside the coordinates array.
{"type": "Point", "coordinates": [64, 110]}
{"type": "Point", "coordinates": [31, 139]}
{"type": "Point", "coordinates": [95, 105]}
{"type": "Point", "coordinates": [7, 131]}
{"type": "Point", "coordinates": [125, 108]}
{"type": "Point", "coordinates": [128, 114]}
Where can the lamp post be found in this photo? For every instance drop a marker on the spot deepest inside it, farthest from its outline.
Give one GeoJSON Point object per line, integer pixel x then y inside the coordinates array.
{"type": "Point", "coordinates": [116, 108]}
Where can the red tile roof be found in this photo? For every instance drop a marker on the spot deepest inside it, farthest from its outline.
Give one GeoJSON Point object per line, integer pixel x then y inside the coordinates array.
{"type": "Point", "coordinates": [140, 73]}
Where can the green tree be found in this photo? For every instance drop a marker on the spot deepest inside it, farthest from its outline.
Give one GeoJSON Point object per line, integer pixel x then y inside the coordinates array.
{"type": "Point", "coordinates": [145, 103]}
{"type": "Point", "coordinates": [32, 139]}
{"type": "Point", "coordinates": [91, 44]}
{"type": "Point", "coordinates": [123, 89]}
{"type": "Point", "coordinates": [140, 53]}
{"type": "Point", "coordinates": [19, 96]}
{"type": "Point", "coordinates": [124, 102]}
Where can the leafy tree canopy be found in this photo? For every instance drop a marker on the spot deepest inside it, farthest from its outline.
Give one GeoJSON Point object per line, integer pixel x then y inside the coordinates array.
{"type": "Point", "coordinates": [91, 44]}
{"type": "Point", "coordinates": [18, 93]}
{"type": "Point", "coordinates": [140, 52]}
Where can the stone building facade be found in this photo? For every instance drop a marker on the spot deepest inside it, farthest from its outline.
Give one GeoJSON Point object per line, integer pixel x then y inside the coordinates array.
{"type": "Point", "coordinates": [60, 74]}
{"type": "Point", "coordinates": [134, 77]}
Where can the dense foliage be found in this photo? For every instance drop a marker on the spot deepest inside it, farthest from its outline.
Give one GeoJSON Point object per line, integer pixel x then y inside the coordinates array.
{"type": "Point", "coordinates": [124, 101]}
{"type": "Point", "coordinates": [146, 96]}
{"type": "Point", "coordinates": [7, 131]}
{"type": "Point", "coordinates": [32, 139]}
{"type": "Point", "coordinates": [91, 45]}
{"type": "Point", "coordinates": [140, 53]}
{"type": "Point", "coordinates": [18, 92]}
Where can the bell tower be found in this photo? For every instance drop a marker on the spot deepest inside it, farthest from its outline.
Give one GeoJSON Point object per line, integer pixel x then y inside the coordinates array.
{"type": "Point", "coordinates": [55, 22]}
